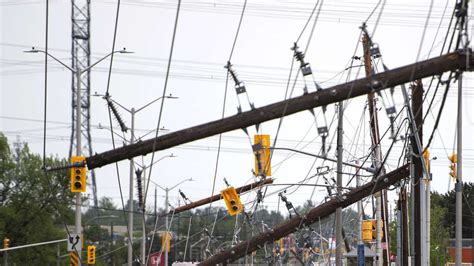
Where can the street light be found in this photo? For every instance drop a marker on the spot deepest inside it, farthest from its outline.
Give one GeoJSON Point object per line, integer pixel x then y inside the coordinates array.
{"type": "Point", "coordinates": [132, 112]}
{"type": "Point", "coordinates": [78, 72]}
{"type": "Point", "coordinates": [166, 189]}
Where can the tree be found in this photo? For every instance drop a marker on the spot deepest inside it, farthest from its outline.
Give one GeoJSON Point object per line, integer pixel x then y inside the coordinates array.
{"type": "Point", "coordinates": [35, 205]}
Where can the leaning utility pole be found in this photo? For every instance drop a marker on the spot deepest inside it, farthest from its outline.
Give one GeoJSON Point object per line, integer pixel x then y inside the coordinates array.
{"type": "Point", "coordinates": [417, 107]}
{"type": "Point", "coordinates": [80, 52]}
{"type": "Point", "coordinates": [314, 215]}
{"type": "Point", "coordinates": [341, 92]}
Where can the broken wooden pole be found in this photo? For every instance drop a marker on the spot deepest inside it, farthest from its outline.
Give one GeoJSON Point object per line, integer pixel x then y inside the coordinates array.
{"type": "Point", "coordinates": [323, 210]}
{"type": "Point", "coordinates": [391, 78]}
{"type": "Point", "coordinates": [217, 197]}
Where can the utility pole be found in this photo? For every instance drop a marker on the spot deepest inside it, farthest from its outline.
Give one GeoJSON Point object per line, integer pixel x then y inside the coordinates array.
{"type": "Point", "coordinates": [130, 200]}
{"type": "Point", "coordinates": [458, 186]}
{"type": "Point", "coordinates": [166, 227]}
{"type": "Point", "coordinates": [417, 107]}
{"type": "Point", "coordinates": [404, 227]}
{"type": "Point", "coordinates": [377, 157]}
{"type": "Point", "coordinates": [340, 132]}
{"type": "Point", "coordinates": [341, 92]}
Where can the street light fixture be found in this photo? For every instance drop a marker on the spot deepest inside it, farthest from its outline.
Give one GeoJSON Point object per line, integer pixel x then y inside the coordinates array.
{"type": "Point", "coordinates": [132, 112]}
{"type": "Point", "coordinates": [78, 72]}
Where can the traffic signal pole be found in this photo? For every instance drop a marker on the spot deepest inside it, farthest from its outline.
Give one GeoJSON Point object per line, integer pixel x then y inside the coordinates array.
{"type": "Point", "coordinates": [78, 153]}
{"type": "Point", "coordinates": [130, 200]}
{"type": "Point", "coordinates": [458, 186]}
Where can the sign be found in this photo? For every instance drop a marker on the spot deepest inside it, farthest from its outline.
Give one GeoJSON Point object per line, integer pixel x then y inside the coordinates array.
{"type": "Point", "coordinates": [361, 255]}
{"type": "Point", "coordinates": [74, 242]}
{"type": "Point", "coordinates": [74, 258]}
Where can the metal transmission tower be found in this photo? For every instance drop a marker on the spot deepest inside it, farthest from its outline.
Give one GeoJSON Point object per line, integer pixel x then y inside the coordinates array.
{"type": "Point", "coordinates": [80, 51]}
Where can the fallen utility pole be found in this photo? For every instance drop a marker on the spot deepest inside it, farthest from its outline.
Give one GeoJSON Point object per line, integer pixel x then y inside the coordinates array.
{"type": "Point", "coordinates": [323, 210]}
{"type": "Point", "coordinates": [391, 78]}
{"type": "Point", "coordinates": [217, 197]}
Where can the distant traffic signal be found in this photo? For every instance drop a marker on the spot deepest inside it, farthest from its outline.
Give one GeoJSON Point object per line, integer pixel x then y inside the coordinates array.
{"type": "Point", "coordinates": [6, 243]}
{"type": "Point", "coordinates": [232, 201]}
{"type": "Point", "coordinates": [454, 160]}
{"type": "Point", "coordinates": [78, 174]}
{"type": "Point", "coordinates": [90, 254]}
{"type": "Point", "coordinates": [166, 241]}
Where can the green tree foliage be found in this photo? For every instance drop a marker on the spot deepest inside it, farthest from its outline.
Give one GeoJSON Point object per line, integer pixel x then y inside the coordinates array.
{"type": "Point", "coordinates": [34, 206]}
{"type": "Point", "coordinates": [448, 201]}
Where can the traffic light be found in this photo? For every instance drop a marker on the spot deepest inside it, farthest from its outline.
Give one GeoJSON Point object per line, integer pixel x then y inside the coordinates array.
{"type": "Point", "coordinates": [454, 160]}
{"type": "Point", "coordinates": [6, 243]}
{"type": "Point", "coordinates": [261, 149]}
{"type": "Point", "coordinates": [168, 242]}
{"type": "Point", "coordinates": [232, 201]}
{"type": "Point", "coordinates": [90, 254]}
{"type": "Point", "coordinates": [78, 174]}
{"type": "Point", "coordinates": [367, 233]}
{"type": "Point", "coordinates": [369, 230]}
{"type": "Point", "coordinates": [426, 157]}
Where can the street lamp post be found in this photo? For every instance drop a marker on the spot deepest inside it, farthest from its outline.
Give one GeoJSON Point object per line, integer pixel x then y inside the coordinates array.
{"type": "Point", "coordinates": [132, 112]}
{"type": "Point", "coordinates": [78, 72]}
{"type": "Point", "coordinates": [167, 190]}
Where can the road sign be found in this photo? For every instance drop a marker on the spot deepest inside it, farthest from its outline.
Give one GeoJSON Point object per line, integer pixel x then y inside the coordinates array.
{"type": "Point", "coordinates": [74, 242]}
{"type": "Point", "coordinates": [74, 258]}
{"type": "Point", "coordinates": [361, 255]}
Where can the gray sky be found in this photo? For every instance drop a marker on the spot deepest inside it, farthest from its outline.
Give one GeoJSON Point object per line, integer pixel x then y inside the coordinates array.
{"type": "Point", "coordinates": [205, 34]}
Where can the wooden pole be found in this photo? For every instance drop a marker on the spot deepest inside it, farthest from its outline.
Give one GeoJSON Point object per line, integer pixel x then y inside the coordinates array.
{"type": "Point", "coordinates": [323, 210]}
{"type": "Point", "coordinates": [382, 258]}
{"type": "Point", "coordinates": [417, 107]}
{"type": "Point", "coordinates": [430, 67]}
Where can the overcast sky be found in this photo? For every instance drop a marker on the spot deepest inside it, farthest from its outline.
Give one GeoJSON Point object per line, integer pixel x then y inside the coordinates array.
{"type": "Point", "coordinates": [262, 58]}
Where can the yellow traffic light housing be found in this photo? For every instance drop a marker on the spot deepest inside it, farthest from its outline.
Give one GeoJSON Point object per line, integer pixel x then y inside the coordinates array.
{"type": "Point", "coordinates": [454, 160]}
{"type": "Point", "coordinates": [6, 243]}
{"type": "Point", "coordinates": [232, 201]}
{"type": "Point", "coordinates": [78, 174]}
{"type": "Point", "coordinates": [426, 157]}
{"type": "Point", "coordinates": [369, 230]}
{"type": "Point", "coordinates": [90, 254]}
{"type": "Point", "coordinates": [367, 233]}
{"type": "Point", "coordinates": [261, 146]}
{"type": "Point", "coordinates": [166, 247]}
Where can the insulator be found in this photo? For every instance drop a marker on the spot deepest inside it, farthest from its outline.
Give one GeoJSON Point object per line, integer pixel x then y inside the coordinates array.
{"type": "Point", "coordinates": [117, 116]}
